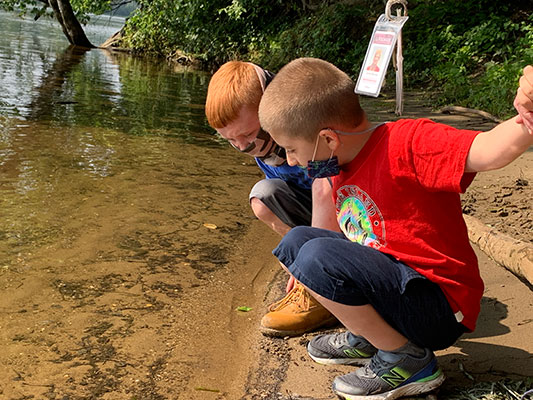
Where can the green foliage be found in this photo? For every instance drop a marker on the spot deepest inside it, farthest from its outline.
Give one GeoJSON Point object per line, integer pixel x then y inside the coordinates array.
{"type": "Point", "coordinates": [270, 33]}
{"type": "Point", "coordinates": [213, 31]}
{"type": "Point", "coordinates": [467, 52]}
{"type": "Point", "coordinates": [338, 33]}
{"type": "Point", "coordinates": [471, 53]}
{"type": "Point", "coordinates": [82, 8]}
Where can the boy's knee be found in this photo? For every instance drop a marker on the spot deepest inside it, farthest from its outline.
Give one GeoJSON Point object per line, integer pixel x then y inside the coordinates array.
{"type": "Point", "coordinates": [267, 189]}
{"type": "Point", "coordinates": [314, 254]}
{"type": "Point", "coordinates": [315, 268]}
{"type": "Point", "coordinates": [290, 245]}
{"type": "Point", "coordinates": [261, 211]}
{"type": "Point", "coordinates": [315, 240]}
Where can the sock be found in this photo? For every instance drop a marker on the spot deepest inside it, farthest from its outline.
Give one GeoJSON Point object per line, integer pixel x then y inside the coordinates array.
{"type": "Point", "coordinates": [409, 348]}
{"type": "Point", "coordinates": [354, 340]}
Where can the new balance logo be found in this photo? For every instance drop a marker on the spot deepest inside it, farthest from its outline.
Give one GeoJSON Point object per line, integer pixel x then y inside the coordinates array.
{"type": "Point", "coordinates": [395, 376]}
{"type": "Point", "coordinates": [352, 353]}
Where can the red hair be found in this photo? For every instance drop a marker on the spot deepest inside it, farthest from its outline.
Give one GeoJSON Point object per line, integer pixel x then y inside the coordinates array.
{"type": "Point", "coordinates": [232, 87]}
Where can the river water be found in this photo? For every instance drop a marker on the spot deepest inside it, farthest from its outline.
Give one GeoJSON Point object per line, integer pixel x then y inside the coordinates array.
{"type": "Point", "coordinates": [120, 211]}
{"type": "Point", "coordinates": [73, 123]}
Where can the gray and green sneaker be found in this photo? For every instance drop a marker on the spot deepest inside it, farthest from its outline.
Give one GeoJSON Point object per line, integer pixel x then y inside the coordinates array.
{"type": "Point", "coordinates": [389, 376]}
{"type": "Point", "coordinates": [340, 348]}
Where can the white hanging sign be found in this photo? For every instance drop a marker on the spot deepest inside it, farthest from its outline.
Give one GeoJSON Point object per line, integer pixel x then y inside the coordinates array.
{"type": "Point", "coordinates": [378, 55]}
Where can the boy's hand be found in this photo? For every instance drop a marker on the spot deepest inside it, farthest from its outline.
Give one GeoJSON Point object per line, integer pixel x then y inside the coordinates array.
{"type": "Point", "coordinates": [524, 99]}
{"type": "Point", "coordinates": [290, 284]}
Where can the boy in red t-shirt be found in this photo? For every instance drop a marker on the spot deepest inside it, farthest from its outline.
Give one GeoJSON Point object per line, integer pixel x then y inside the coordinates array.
{"type": "Point", "coordinates": [398, 270]}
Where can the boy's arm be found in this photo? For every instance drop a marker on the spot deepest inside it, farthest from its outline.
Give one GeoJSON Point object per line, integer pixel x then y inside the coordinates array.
{"type": "Point", "coordinates": [498, 147]}
{"type": "Point", "coordinates": [324, 215]}
{"type": "Point", "coordinates": [503, 144]}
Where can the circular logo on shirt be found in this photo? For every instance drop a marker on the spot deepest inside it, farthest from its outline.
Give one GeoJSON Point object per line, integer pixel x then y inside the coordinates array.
{"type": "Point", "coordinates": [359, 217]}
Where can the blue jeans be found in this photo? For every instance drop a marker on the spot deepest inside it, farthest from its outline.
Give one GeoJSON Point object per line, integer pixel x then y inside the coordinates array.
{"type": "Point", "coordinates": [348, 273]}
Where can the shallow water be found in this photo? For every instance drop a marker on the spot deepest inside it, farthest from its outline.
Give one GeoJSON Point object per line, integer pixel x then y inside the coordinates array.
{"type": "Point", "coordinates": [75, 124]}
{"type": "Point", "coordinates": [120, 212]}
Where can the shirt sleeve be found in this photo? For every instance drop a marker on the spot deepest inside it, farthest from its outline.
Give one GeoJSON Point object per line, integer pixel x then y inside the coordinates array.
{"type": "Point", "coordinates": [438, 155]}
{"type": "Point", "coordinates": [267, 170]}
{"type": "Point", "coordinates": [287, 173]}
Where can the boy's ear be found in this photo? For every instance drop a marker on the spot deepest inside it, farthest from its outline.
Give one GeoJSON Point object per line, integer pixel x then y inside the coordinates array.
{"type": "Point", "coordinates": [331, 137]}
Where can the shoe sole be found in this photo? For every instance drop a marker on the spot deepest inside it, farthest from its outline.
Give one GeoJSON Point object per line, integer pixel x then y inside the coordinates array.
{"type": "Point", "coordinates": [411, 389]}
{"type": "Point", "coordinates": [361, 362]}
{"type": "Point", "coordinates": [327, 323]}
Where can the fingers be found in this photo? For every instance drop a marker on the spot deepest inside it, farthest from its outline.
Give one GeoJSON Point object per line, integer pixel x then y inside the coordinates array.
{"type": "Point", "coordinates": [290, 284]}
{"type": "Point", "coordinates": [525, 116]}
{"type": "Point", "coordinates": [526, 82]}
{"type": "Point", "coordinates": [528, 74]}
{"type": "Point", "coordinates": [524, 99]}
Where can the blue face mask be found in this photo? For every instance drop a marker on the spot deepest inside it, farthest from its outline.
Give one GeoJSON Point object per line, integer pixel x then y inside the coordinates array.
{"type": "Point", "coordinates": [323, 168]}
{"type": "Point", "coordinates": [330, 167]}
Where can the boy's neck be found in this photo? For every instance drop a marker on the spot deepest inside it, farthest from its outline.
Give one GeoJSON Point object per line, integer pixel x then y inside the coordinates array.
{"type": "Point", "coordinates": [351, 145]}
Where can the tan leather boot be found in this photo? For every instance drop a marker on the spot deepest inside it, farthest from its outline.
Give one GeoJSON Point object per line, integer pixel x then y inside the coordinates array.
{"type": "Point", "coordinates": [298, 312]}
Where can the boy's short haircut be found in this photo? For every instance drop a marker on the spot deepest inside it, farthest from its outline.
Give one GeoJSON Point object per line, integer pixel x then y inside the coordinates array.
{"type": "Point", "coordinates": [233, 86]}
{"type": "Point", "coordinates": [307, 95]}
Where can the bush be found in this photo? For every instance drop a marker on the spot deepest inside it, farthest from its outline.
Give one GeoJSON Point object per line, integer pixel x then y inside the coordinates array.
{"type": "Point", "coordinates": [468, 53]}
{"type": "Point", "coordinates": [474, 61]}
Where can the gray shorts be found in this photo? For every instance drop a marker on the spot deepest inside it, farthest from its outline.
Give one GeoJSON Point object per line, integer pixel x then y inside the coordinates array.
{"type": "Point", "coordinates": [289, 202]}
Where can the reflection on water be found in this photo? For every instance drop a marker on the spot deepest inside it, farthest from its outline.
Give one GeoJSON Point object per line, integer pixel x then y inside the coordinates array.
{"type": "Point", "coordinates": [71, 118]}
{"type": "Point", "coordinates": [44, 80]}
{"type": "Point", "coordinates": [121, 92]}
{"type": "Point", "coordinates": [28, 49]}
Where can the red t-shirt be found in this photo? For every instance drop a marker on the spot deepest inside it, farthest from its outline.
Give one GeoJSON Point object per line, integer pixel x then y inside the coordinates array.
{"type": "Point", "coordinates": [400, 195]}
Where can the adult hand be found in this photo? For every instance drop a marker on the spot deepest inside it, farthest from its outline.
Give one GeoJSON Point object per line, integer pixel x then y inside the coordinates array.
{"type": "Point", "coordinates": [524, 99]}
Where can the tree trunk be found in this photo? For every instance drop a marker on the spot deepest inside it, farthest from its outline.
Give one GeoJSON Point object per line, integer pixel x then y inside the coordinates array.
{"type": "Point", "coordinates": [69, 23]}
{"type": "Point", "coordinates": [51, 89]}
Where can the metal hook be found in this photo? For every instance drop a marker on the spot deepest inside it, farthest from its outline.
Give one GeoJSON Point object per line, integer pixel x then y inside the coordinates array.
{"type": "Point", "coordinates": [388, 8]}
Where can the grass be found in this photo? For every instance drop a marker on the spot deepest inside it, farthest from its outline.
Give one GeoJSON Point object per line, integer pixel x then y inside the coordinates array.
{"type": "Point", "coordinates": [505, 389]}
